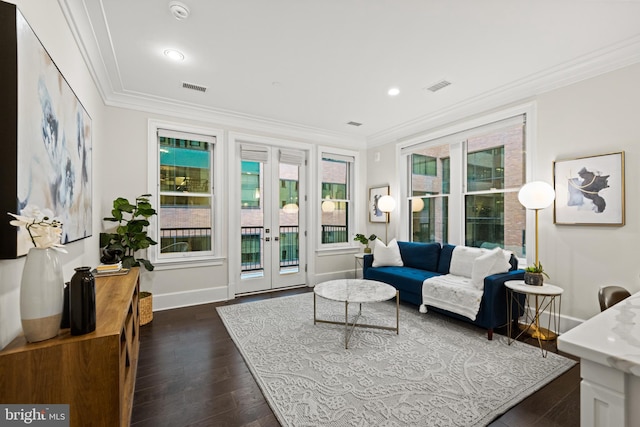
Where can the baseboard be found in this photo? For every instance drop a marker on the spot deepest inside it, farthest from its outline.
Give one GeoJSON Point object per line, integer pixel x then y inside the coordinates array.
{"type": "Point", "coordinates": [566, 322]}
{"type": "Point", "coordinates": [188, 298]}
{"type": "Point", "coordinates": [334, 275]}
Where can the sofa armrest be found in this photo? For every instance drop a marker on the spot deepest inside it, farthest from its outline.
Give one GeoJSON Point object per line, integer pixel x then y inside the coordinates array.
{"type": "Point", "coordinates": [367, 262]}
{"type": "Point", "coordinates": [498, 280]}
{"type": "Point", "coordinates": [494, 300]}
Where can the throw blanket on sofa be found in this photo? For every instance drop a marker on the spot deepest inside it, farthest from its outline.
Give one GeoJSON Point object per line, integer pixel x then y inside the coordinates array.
{"type": "Point", "coordinates": [452, 293]}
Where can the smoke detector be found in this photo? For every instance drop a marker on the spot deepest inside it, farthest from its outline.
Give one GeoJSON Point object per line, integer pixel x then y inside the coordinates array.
{"type": "Point", "coordinates": [179, 10]}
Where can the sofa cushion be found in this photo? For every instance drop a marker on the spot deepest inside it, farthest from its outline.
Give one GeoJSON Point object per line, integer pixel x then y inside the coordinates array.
{"type": "Point", "coordinates": [424, 256]}
{"type": "Point", "coordinates": [405, 279]}
{"type": "Point", "coordinates": [445, 259]}
{"type": "Point", "coordinates": [462, 260]}
{"type": "Point", "coordinates": [386, 255]}
{"type": "Point", "coordinates": [492, 262]}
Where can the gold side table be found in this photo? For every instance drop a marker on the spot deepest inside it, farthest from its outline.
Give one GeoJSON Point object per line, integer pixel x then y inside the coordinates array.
{"type": "Point", "coordinates": [538, 300]}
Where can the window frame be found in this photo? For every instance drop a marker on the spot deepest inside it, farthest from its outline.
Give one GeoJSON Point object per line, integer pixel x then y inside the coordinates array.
{"type": "Point", "coordinates": [186, 259]}
{"type": "Point", "coordinates": [352, 157]}
{"type": "Point", "coordinates": [452, 135]}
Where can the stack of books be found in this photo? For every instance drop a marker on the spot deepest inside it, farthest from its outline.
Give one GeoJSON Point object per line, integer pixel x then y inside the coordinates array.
{"type": "Point", "coordinates": [109, 269]}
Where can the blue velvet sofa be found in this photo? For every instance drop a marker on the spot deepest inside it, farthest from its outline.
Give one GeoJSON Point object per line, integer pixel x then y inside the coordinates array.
{"type": "Point", "coordinates": [424, 260]}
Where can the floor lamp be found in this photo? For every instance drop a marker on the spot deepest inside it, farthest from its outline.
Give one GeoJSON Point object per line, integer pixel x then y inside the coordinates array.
{"type": "Point", "coordinates": [534, 196]}
{"type": "Point", "coordinates": [386, 204]}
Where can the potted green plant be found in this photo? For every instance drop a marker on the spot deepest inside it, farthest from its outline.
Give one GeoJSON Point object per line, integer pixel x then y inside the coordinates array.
{"type": "Point", "coordinates": [365, 241]}
{"type": "Point", "coordinates": [533, 275]}
{"type": "Point", "coordinates": [130, 235]}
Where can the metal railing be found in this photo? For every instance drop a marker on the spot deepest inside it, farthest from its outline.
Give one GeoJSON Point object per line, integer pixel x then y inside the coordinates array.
{"type": "Point", "coordinates": [252, 244]}
{"type": "Point", "coordinates": [195, 239]}
{"type": "Point", "coordinates": [251, 248]}
{"type": "Point", "coordinates": [334, 234]}
{"type": "Point", "coordinates": [289, 246]}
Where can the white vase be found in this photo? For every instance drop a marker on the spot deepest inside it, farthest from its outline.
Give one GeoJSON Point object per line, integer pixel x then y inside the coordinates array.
{"type": "Point", "coordinates": [41, 294]}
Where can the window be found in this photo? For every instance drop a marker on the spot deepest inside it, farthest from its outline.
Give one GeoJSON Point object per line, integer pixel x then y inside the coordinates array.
{"type": "Point", "coordinates": [487, 164]}
{"type": "Point", "coordinates": [336, 180]}
{"type": "Point", "coordinates": [250, 184]}
{"type": "Point", "coordinates": [424, 165]}
{"type": "Point", "coordinates": [429, 200]}
{"type": "Point", "coordinates": [185, 214]}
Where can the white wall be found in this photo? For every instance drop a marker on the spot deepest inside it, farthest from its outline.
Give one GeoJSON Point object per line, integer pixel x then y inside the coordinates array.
{"type": "Point", "coordinates": [595, 116]}
{"type": "Point", "coordinates": [381, 171]}
{"type": "Point", "coordinates": [47, 21]}
{"type": "Point", "coordinates": [127, 153]}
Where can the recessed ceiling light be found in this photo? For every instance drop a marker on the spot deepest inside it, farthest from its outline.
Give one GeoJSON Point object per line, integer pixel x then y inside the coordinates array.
{"type": "Point", "coordinates": [393, 91]}
{"type": "Point", "coordinates": [174, 54]}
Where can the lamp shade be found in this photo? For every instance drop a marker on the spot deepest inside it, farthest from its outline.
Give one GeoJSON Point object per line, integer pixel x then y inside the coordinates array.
{"type": "Point", "coordinates": [290, 208]}
{"type": "Point", "coordinates": [536, 195]}
{"type": "Point", "coordinates": [417, 204]}
{"type": "Point", "coordinates": [328, 205]}
{"type": "Point", "coordinates": [386, 203]}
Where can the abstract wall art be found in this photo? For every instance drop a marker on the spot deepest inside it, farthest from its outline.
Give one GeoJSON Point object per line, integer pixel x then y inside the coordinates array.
{"type": "Point", "coordinates": [375, 214]}
{"type": "Point", "coordinates": [590, 190]}
{"type": "Point", "coordinates": [47, 133]}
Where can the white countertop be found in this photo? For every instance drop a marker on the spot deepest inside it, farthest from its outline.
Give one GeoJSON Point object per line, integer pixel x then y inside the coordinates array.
{"type": "Point", "coordinates": [611, 338]}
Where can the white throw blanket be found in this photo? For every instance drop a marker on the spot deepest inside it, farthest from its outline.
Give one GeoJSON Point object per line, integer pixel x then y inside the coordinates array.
{"type": "Point", "coordinates": [452, 293]}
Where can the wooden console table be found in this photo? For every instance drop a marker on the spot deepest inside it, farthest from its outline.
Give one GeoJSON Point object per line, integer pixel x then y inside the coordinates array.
{"type": "Point", "coordinates": [94, 373]}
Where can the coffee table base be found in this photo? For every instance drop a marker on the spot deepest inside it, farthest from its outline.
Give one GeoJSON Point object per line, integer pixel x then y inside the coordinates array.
{"type": "Point", "coordinates": [349, 327]}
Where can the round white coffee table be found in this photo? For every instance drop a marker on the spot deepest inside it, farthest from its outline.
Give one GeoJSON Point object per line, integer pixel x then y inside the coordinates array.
{"type": "Point", "coordinates": [357, 291]}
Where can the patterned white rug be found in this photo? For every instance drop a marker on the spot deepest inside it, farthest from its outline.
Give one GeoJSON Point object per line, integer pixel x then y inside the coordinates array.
{"type": "Point", "coordinates": [434, 373]}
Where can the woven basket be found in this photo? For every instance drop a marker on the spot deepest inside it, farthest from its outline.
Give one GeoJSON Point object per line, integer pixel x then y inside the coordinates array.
{"type": "Point", "coordinates": [146, 308]}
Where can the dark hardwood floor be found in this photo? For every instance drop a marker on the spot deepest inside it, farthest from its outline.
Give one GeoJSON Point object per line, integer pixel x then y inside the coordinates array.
{"type": "Point", "coordinates": [191, 374]}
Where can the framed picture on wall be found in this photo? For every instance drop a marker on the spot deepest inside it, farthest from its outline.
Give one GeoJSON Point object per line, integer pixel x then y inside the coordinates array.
{"type": "Point", "coordinates": [375, 214]}
{"type": "Point", "coordinates": [46, 134]}
{"type": "Point", "coordinates": [589, 190]}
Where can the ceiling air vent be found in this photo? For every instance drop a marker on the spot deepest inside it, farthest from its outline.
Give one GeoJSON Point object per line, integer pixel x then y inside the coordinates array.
{"type": "Point", "coordinates": [436, 87]}
{"type": "Point", "coordinates": [354, 124]}
{"type": "Point", "coordinates": [194, 87]}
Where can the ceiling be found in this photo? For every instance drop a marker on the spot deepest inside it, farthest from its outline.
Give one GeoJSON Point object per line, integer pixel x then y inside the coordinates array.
{"type": "Point", "coordinates": [320, 64]}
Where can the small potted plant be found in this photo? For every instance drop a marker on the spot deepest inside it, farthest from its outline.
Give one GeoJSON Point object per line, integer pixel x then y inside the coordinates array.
{"type": "Point", "coordinates": [365, 241]}
{"type": "Point", "coordinates": [130, 235]}
{"type": "Point", "coordinates": [533, 275]}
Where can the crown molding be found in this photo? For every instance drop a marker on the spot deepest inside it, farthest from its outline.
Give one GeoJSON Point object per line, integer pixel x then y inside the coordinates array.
{"type": "Point", "coordinates": [107, 81]}
{"type": "Point", "coordinates": [599, 62]}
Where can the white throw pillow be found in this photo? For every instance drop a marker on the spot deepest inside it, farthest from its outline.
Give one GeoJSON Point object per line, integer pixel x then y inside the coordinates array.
{"type": "Point", "coordinates": [386, 255]}
{"type": "Point", "coordinates": [462, 260]}
{"type": "Point", "coordinates": [492, 262]}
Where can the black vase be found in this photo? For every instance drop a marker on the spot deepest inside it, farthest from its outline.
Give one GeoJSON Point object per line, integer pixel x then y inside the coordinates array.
{"type": "Point", "coordinates": [64, 322]}
{"type": "Point", "coordinates": [82, 302]}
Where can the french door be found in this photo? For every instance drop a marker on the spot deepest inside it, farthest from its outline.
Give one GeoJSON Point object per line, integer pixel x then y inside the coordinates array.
{"type": "Point", "coordinates": [272, 212]}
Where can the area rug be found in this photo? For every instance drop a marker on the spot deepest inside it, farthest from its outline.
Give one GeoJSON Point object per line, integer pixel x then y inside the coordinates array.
{"type": "Point", "coordinates": [436, 372]}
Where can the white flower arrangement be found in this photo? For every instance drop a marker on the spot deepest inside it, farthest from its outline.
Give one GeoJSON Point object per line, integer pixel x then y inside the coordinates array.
{"type": "Point", "coordinates": [44, 230]}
